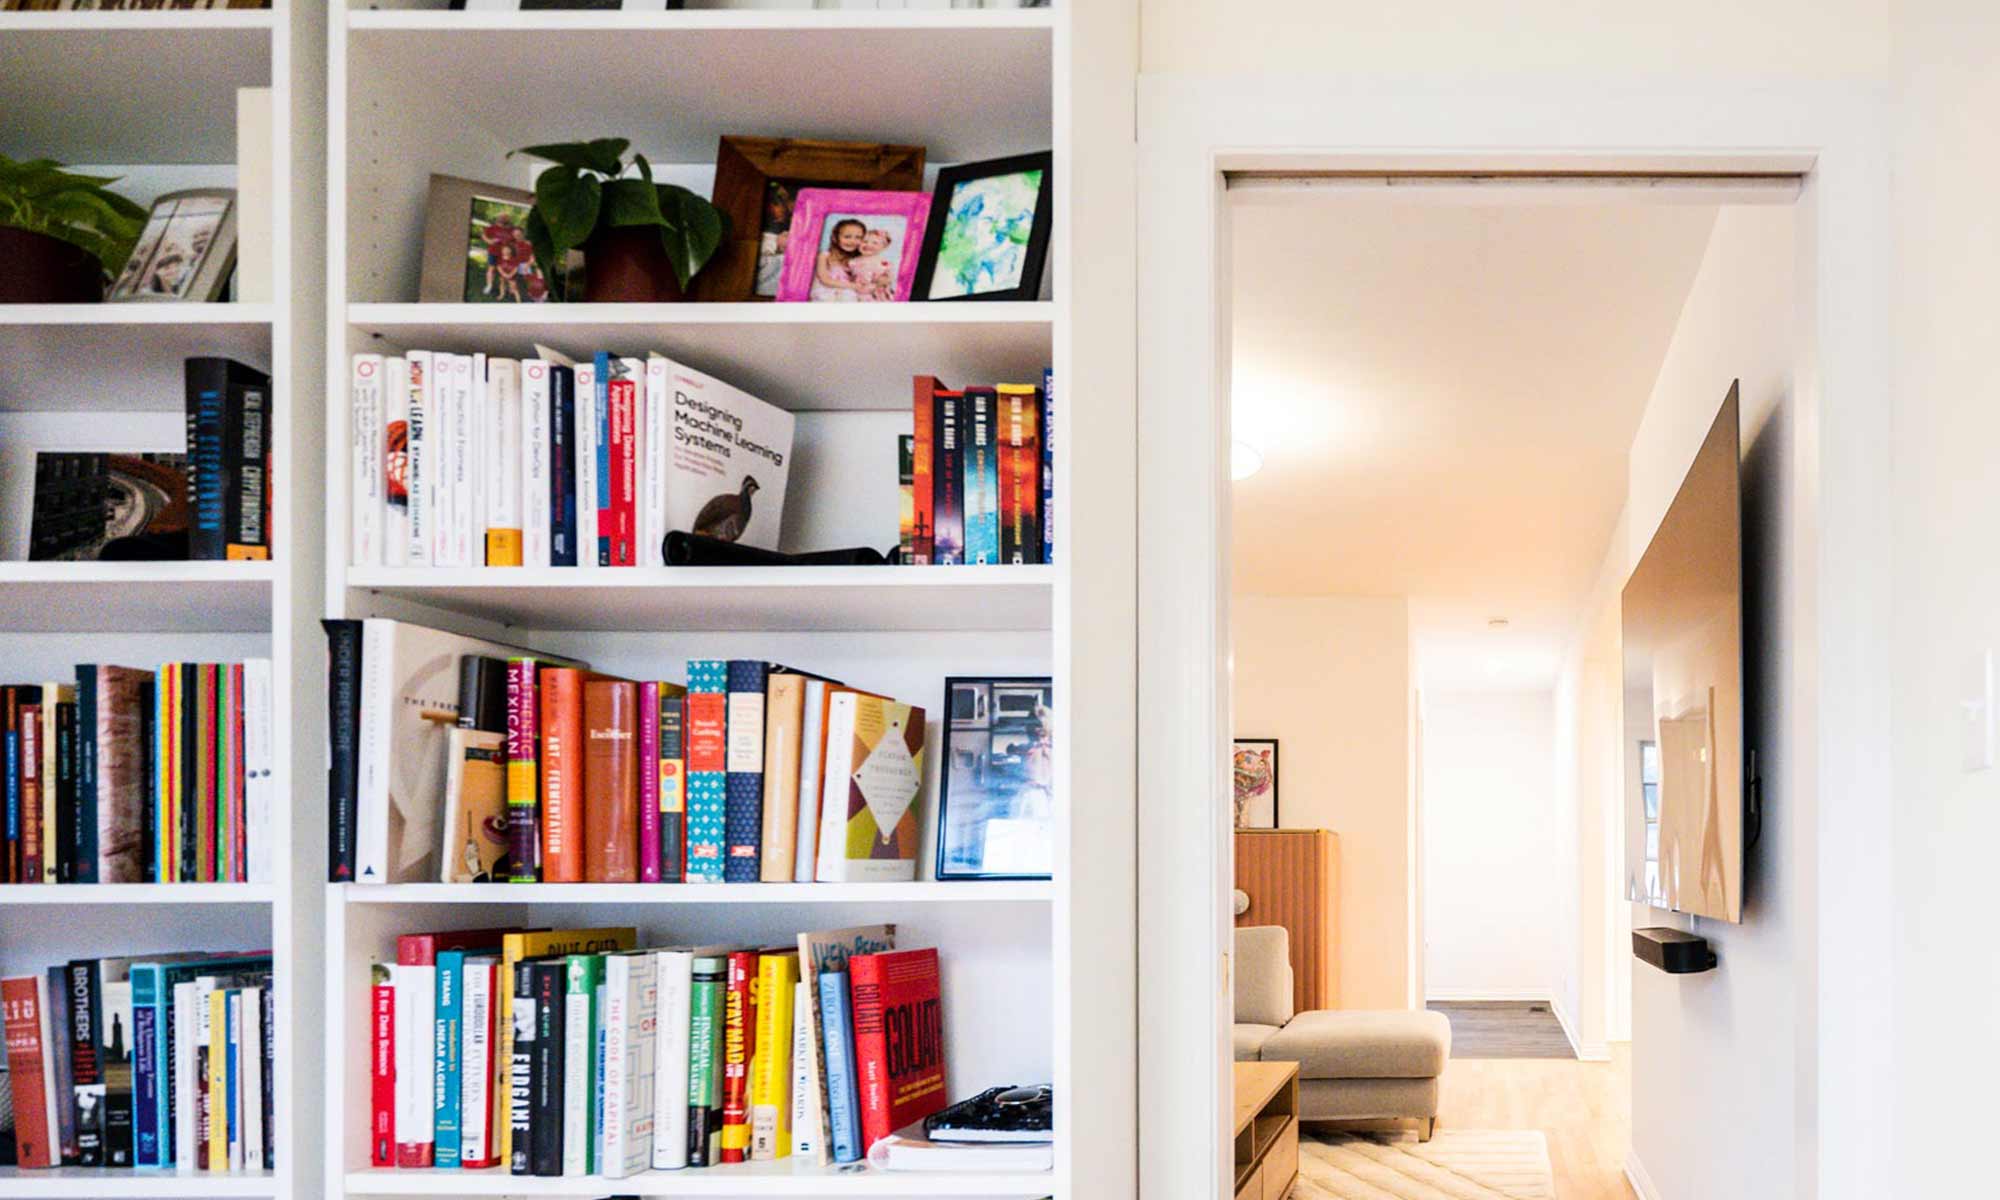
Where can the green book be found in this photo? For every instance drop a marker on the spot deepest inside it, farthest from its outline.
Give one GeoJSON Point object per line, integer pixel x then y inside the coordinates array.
{"type": "Point", "coordinates": [705, 1061]}
{"type": "Point", "coordinates": [583, 1063]}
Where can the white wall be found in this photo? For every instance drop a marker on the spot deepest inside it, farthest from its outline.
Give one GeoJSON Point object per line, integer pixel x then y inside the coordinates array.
{"type": "Point", "coordinates": [1329, 677]}
{"type": "Point", "coordinates": [1488, 836]}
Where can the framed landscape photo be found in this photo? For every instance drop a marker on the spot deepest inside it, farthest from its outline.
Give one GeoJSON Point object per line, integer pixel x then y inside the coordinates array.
{"type": "Point", "coordinates": [476, 247]}
{"type": "Point", "coordinates": [996, 789]}
{"type": "Point", "coordinates": [1254, 769]}
{"type": "Point", "coordinates": [757, 184]}
{"type": "Point", "coordinates": [185, 251]}
{"type": "Point", "coordinates": [852, 247]}
{"type": "Point", "coordinates": [989, 231]}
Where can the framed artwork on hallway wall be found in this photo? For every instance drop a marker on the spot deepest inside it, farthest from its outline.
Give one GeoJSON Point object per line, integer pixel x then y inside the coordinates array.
{"type": "Point", "coordinates": [1255, 775]}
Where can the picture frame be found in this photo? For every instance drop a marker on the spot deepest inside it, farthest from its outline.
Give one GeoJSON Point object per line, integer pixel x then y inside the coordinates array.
{"type": "Point", "coordinates": [185, 251]}
{"type": "Point", "coordinates": [464, 221]}
{"type": "Point", "coordinates": [1254, 776]}
{"type": "Point", "coordinates": [849, 246]}
{"type": "Point", "coordinates": [571, 5]}
{"type": "Point", "coordinates": [988, 234]}
{"type": "Point", "coordinates": [757, 181]}
{"type": "Point", "coordinates": [996, 793]}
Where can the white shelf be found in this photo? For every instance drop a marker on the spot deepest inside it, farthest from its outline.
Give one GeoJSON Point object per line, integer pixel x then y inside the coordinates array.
{"type": "Point", "coordinates": [800, 356]}
{"type": "Point", "coordinates": [708, 599]}
{"type": "Point", "coordinates": [742, 1179]}
{"type": "Point", "coordinates": [153, 87]}
{"type": "Point", "coordinates": [83, 1183]}
{"type": "Point", "coordinates": [65, 895]}
{"type": "Point", "coordinates": [967, 892]}
{"type": "Point", "coordinates": [770, 21]}
{"type": "Point", "coordinates": [119, 357]}
{"type": "Point", "coordinates": [147, 597]}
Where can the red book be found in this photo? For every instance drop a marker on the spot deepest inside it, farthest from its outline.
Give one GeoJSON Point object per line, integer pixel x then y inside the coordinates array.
{"type": "Point", "coordinates": [239, 840]}
{"type": "Point", "coordinates": [31, 793]}
{"type": "Point", "coordinates": [24, 1004]}
{"type": "Point", "coordinates": [898, 1040]}
{"type": "Point", "coordinates": [922, 457]}
{"type": "Point", "coordinates": [562, 775]}
{"type": "Point", "coordinates": [739, 1047]}
{"type": "Point", "coordinates": [207, 759]}
{"type": "Point", "coordinates": [649, 783]}
{"type": "Point", "coordinates": [415, 1023]}
{"type": "Point", "coordinates": [611, 781]}
{"type": "Point", "coordinates": [624, 398]}
{"type": "Point", "coordinates": [382, 1069]}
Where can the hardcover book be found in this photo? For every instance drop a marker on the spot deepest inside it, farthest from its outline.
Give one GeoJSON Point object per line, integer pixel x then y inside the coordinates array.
{"type": "Point", "coordinates": [982, 475]}
{"type": "Point", "coordinates": [121, 505]}
{"type": "Point", "coordinates": [906, 526]}
{"type": "Point", "coordinates": [475, 846]}
{"type": "Point", "coordinates": [771, 1067]}
{"type": "Point", "coordinates": [820, 954]}
{"type": "Point", "coordinates": [1048, 464]}
{"type": "Point", "coordinates": [24, 1005]}
{"type": "Point", "coordinates": [898, 1040]}
{"type": "Point", "coordinates": [728, 460]}
{"type": "Point", "coordinates": [1020, 455]}
{"type": "Point", "coordinates": [611, 781]}
{"type": "Point", "coordinates": [784, 721]}
{"type": "Point", "coordinates": [843, 1140]}
{"type": "Point", "coordinates": [672, 768]}
{"type": "Point", "coordinates": [739, 1047]}
{"type": "Point", "coordinates": [744, 784]}
{"type": "Point", "coordinates": [515, 947]}
{"type": "Point", "coordinates": [923, 457]}
{"type": "Point", "coordinates": [706, 1020]}
{"type": "Point", "coordinates": [707, 769]}
{"type": "Point", "coordinates": [869, 820]}
{"type": "Point", "coordinates": [948, 480]}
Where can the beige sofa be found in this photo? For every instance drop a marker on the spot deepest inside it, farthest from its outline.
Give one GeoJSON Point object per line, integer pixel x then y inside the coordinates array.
{"type": "Point", "coordinates": [1353, 1065]}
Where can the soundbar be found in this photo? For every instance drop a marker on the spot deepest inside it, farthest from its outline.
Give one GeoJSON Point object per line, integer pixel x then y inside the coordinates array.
{"type": "Point", "coordinates": [1675, 951]}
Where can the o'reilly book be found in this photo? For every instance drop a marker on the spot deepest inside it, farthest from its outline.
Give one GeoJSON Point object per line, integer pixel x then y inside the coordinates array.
{"type": "Point", "coordinates": [726, 460]}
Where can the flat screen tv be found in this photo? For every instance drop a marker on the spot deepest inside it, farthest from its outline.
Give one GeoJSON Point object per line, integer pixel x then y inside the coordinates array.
{"type": "Point", "coordinates": [1684, 721]}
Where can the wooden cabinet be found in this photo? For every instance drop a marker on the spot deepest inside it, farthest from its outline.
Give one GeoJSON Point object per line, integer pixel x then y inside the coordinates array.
{"type": "Point", "coordinates": [1292, 878]}
{"type": "Point", "coordinates": [1267, 1129]}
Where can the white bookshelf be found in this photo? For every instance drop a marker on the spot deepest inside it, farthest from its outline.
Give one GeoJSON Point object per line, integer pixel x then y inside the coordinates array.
{"type": "Point", "coordinates": [411, 95]}
{"type": "Point", "coordinates": [151, 96]}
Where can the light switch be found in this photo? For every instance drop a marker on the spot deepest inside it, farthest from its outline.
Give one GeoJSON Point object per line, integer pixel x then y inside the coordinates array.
{"type": "Point", "coordinates": [1976, 712]}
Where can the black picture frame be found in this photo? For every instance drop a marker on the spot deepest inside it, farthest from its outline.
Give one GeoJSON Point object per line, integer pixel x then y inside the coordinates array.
{"type": "Point", "coordinates": [1236, 816]}
{"type": "Point", "coordinates": [948, 181]}
{"type": "Point", "coordinates": [980, 708]}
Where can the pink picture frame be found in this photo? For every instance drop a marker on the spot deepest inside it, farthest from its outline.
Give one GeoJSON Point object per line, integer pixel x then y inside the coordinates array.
{"type": "Point", "coordinates": [880, 238]}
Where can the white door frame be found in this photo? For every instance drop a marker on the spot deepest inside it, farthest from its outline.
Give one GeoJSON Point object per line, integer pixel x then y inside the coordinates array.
{"type": "Point", "coordinates": [1192, 131]}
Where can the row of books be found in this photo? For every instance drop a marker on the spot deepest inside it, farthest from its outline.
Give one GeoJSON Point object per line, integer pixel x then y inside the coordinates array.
{"type": "Point", "coordinates": [571, 1052]}
{"type": "Point", "coordinates": [464, 460]}
{"type": "Point", "coordinates": [978, 474]}
{"type": "Point", "coordinates": [144, 1061]}
{"type": "Point", "coordinates": [212, 504]}
{"type": "Point", "coordinates": [136, 776]}
{"type": "Point", "coordinates": [470, 761]}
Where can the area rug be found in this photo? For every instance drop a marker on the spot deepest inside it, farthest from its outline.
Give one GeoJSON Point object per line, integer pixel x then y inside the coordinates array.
{"type": "Point", "coordinates": [1456, 1164]}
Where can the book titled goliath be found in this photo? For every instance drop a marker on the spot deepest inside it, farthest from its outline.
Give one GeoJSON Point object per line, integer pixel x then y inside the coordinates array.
{"type": "Point", "coordinates": [898, 1040]}
{"type": "Point", "coordinates": [874, 776]}
{"type": "Point", "coordinates": [726, 460]}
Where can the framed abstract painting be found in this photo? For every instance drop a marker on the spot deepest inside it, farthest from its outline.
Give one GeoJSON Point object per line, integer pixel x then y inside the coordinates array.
{"type": "Point", "coordinates": [1254, 771]}
{"type": "Point", "coordinates": [989, 231]}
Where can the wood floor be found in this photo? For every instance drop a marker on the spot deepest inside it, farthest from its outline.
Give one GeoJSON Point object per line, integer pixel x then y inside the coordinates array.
{"type": "Point", "coordinates": [1585, 1108]}
{"type": "Point", "coordinates": [1504, 1029]}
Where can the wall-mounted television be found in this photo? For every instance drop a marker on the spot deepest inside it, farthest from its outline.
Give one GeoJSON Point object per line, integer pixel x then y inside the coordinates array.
{"type": "Point", "coordinates": [1684, 722]}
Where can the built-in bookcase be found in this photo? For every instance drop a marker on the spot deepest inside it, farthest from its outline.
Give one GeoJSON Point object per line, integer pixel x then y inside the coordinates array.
{"type": "Point", "coordinates": [151, 96]}
{"type": "Point", "coordinates": [416, 89]}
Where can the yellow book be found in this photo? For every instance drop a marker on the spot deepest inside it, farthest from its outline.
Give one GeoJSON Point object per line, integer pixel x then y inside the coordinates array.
{"type": "Point", "coordinates": [534, 944]}
{"type": "Point", "coordinates": [771, 1064]}
{"type": "Point", "coordinates": [218, 1080]}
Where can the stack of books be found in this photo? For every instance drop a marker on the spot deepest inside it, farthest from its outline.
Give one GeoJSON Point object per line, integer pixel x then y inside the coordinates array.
{"type": "Point", "coordinates": [978, 474]}
{"type": "Point", "coordinates": [570, 1052]}
{"type": "Point", "coordinates": [136, 776]}
{"type": "Point", "coordinates": [467, 761]}
{"type": "Point", "coordinates": [463, 460]}
{"type": "Point", "coordinates": [160, 1060]}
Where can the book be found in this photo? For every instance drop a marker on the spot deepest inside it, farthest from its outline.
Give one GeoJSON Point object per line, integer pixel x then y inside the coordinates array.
{"type": "Point", "coordinates": [546, 1113]}
{"type": "Point", "coordinates": [24, 1013]}
{"type": "Point", "coordinates": [706, 1020]}
{"type": "Point", "coordinates": [771, 1067]}
{"type": "Point", "coordinates": [396, 463]}
{"type": "Point", "coordinates": [111, 781]}
{"type": "Point", "coordinates": [655, 444]}
{"type": "Point", "coordinates": [475, 824]}
{"type": "Point", "coordinates": [251, 1079]}
{"type": "Point", "coordinates": [259, 776]}
{"type": "Point", "coordinates": [536, 449]}
{"type": "Point", "coordinates": [1048, 464]}
{"type": "Point", "coordinates": [906, 486]}
{"type": "Point", "coordinates": [418, 1037]}
{"type": "Point", "coordinates": [343, 759]}
{"type": "Point", "coordinates": [81, 511]}
{"type": "Point", "coordinates": [739, 1046]}
{"type": "Point", "coordinates": [671, 767]}
{"type": "Point", "coordinates": [982, 476]}
{"type": "Point", "coordinates": [822, 953]}
{"type": "Point", "coordinates": [447, 1071]}
{"type": "Point", "coordinates": [564, 773]}
{"type": "Point", "coordinates": [589, 429]}
{"type": "Point", "coordinates": [504, 424]}
{"type": "Point", "coordinates": [909, 1149]}
{"type": "Point", "coordinates": [1020, 457]}
{"type": "Point", "coordinates": [59, 1040]}
{"type": "Point", "coordinates": [518, 1047]}
{"type": "Point", "coordinates": [611, 781]}
{"type": "Point", "coordinates": [382, 1065]}
{"type": "Point", "coordinates": [59, 742]}
{"type": "Point", "coordinates": [29, 756]}
{"type": "Point", "coordinates": [729, 461]}
{"type": "Point", "coordinates": [874, 777]}
{"type": "Point", "coordinates": [246, 454]}
{"type": "Point", "coordinates": [115, 1063]}
{"type": "Point", "coordinates": [581, 1049]}
{"type": "Point", "coordinates": [923, 452]}
{"type": "Point", "coordinates": [837, 1036]}
{"type": "Point", "coordinates": [456, 495]}
{"type": "Point", "coordinates": [805, 1078]}
{"type": "Point", "coordinates": [219, 391]}
{"type": "Point", "coordinates": [707, 769]}
{"type": "Point", "coordinates": [898, 1040]}
{"type": "Point", "coordinates": [631, 1033]}
{"type": "Point", "coordinates": [948, 479]}
{"type": "Point", "coordinates": [479, 1106]}
{"type": "Point", "coordinates": [784, 721]}
{"type": "Point", "coordinates": [515, 947]}
{"type": "Point", "coordinates": [214, 1150]}
{"type": "Point", "coordinates": [524, 774]}
{"type": "Point", "coordinates": [364, 453]}
{"type": "Point", "coordinates": [564, 524]}
{"type": "Point", "coordinates": [624, 456]}
{"type": "Point", "coordinates": [422, 456]}
{"type": "Point", "coordinates": [673, 981]}
{"type": "Point", "coordinates": [89, 1088]}
{"type": "Point", "coordinates": [744, 783]}
{"type": "Point", "coordinates": [482, 693]}
{"type": "Point", "coordinates": [812, 765]}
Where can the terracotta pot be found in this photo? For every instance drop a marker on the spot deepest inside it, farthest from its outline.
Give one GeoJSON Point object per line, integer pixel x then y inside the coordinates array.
{"type": "Point", "coordinates": [38, 269]}
{"type": "Point", "coordinates": [628, 266]}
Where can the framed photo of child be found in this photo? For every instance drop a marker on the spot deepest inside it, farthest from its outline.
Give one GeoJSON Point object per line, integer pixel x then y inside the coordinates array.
{"type": "Point", "coordinates": [853, 247]}
{"type": "Point", "coordinates": [476, 247]}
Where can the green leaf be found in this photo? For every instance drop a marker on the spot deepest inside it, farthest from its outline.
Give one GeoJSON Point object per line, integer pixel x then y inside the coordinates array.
{"type": "Point", "coordinates": [39, 195]}
{"type": "Point", "coordinates": [645, 168]}
{"type": "Point", "coordinates": [544, 246]}
{"type": "Point", "coordinates": [691, 231]}
{"type": "Point", "coordinates": [602, 155]}
{"type": "Point", "coordinates": [631, 202]}
{"type": "Point", "coordinates": [568, 202]}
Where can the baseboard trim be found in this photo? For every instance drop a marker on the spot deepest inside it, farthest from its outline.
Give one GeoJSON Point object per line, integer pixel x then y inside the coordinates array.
{"type": "Point", "coordinates": [1635, 1174]}
{"type": "Point", "coordinates": [1593, 1052]}
{"type": "Point", "coordinates": [1487, 995]}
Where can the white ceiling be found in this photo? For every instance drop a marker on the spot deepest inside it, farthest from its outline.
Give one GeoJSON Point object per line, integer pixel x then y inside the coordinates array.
{"type": "Point", "coordinates": [1443, 392]}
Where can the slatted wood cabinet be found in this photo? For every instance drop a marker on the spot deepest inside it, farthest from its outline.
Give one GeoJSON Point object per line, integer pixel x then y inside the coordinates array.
{"type": "Point", "coordinates": [1292, 878]}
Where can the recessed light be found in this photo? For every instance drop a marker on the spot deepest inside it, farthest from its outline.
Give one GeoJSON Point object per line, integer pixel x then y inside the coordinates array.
{"type": "Point", "coordinates": [1243, 461]}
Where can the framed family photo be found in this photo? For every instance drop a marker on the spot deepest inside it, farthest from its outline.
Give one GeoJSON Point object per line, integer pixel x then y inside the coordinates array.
{"type": "Point", "coordinates": [853, 247]}
{"type": "Point", "coordinates": [989, 231]}
{"type": "Point", "coordinates": [996, 795]}
{"type": "Point", "coordinates": [186, 250]}
{"type": "Point", "coordinates": [476, 247]}
{"type": "Point", "coordinates": [1254, 770]}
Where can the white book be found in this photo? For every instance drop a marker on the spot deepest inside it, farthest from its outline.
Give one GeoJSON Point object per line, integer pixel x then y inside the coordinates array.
{"type": "Point", "coordinates": [579, 1083]}
{"type": "Point", "coordinates": [416, 1052]}
{"type": "Point", "coordinates": [631, 1045]}
{"type": "Point", "coordinates": [393, 454]}
{"type": "Point", "coordinates": [534, 463]}
{"type": "Point", "coordinates": [479, 414]}
{"type": "Point", "coordinates": [500, 475]}
{"type": "Point", "coordinates": [730, 454]}
{"type": "Point", "coordinates": [812, 746]}
{"type": "Point", "coordinates": [364, 454]}
{"type": "Point", "coordinates": [259, 764]}
{"type": "Point", "coordinates": [190, 1008]}
{"type": "Point", "coordinates": [443, 433]}
{"type": "Point", "coordinates": [805, 1080]}
{"type": "Point", "coordinates": [674, 973]}
{"type": "Point", "coordinates": [655, 443]}
{"type": "Point", "coordinates": [835, 767]}
{"type": "Point", "coordinates": [251, 1058]}
{"type": "Point", "coordinates": [586, 464]}
{"type": "Point", "coordinates": [421, 452]}
{"type": "Point", "coordinates": [461, 496]}
{"type": "Point", "coordinates": [475, 1108]}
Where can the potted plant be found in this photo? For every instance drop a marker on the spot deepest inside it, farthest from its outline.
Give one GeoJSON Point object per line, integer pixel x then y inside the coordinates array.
{"type": "Point", "coordinates": [61, 234]}
{"type": "Point", "coordinates": [641, 241]}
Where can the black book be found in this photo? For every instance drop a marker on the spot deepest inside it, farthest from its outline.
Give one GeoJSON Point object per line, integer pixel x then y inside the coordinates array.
{"type": "Point", "coordinates": [59, 1041]}
{"type": "Point", "coordinates": [65, 785]}
{"type": "Point", "coordinates": [343, 764]}
{"type": "Point", "coordinates": [84, 829]}
{"type": "Point", "coordinates": [521, 1071]}
{"type": "Point", "coordinates": [86, 1072]}
{"type": "Point", "coordinates": [246, 454]}
{"type": "Point", "coordinates": [546, 1103]}
{"type": "Point", "coordinates": [673, 746]}
{"type": "Point", "coordinates": [149, 777]}
{"type": "Point", "coordinates": [562, 466]}
{"type": "Point", "coordinates": [190, 785]}
{"type": "Point", "coordinates": [269, 1051]}
{"type": "Point", "coordinates": [948, 481]}
{"type": "Point", "coordinates": [482, 693]}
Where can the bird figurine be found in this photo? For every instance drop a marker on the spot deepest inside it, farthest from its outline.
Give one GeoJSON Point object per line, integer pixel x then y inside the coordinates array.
{"type": "Point", "coordinates": [726, 516]}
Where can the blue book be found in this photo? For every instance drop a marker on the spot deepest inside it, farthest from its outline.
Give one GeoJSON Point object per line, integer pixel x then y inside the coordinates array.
{"type": "Point", "coordinates": [207, 410]}
{"type": "Point", "coordinates": [982, 475]}
{"type": "Point", "coordinates": [707, 778]}
{"type": "Point", "coordinates": [1048, 464]}
{"type": "Point", "coordinates": [84, 845]}
{"type": "Point", "coordinates": [600, 409]}
{"type": "Point", "coordinates": [562, 466]}
{"type": "Point", "coordinates": [743, 832]}
{"type": "Point", "coordinates": [843, 1096]}
{"type": "Point", "coordinates": [148, 1110]}
{"type": "Point", "coordinates": [446, 1078]}
{"type": "Point", "coordinates": [232, 1035]}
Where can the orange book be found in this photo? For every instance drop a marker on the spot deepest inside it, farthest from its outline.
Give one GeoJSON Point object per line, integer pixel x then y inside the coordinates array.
{"type": "Point", "coordinates": [784, 714]}
{"type": "Point", "coordinates": [611, 781]}
{"type": "Point", "coordinates": [562, 775]}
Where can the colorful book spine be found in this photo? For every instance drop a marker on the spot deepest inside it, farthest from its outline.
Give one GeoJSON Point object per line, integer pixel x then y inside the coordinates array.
{"type": "Point", "coordinates": [622, 458]}
{"type": "Point", "coordinates": [24, 1015]}
{"type": "Point", "coordinates": [535, 450]}
{"type": "Point", "coordinates": [589, 464]}
{"type": "Point", "coordinates": [672, 771]}
{"type": "Point", "coordinates": [395, 465]}
{"type": "Point", "coordinates": [207, 413]}
{"type": "Point", "coordinates": [649, 782]}
{"type": "Point", "coordinates": [246, 451]}
{"type": "Point", "coordinates": [447, 1071]}
{"type": "Point", "coordinates": [739, 1046]}
{"type": "Point", "coordinates": [906, 525]}
{"type": "Point", "coordinates": [477, 1107]}
{"type": "Point", "coordinates": [948, 481]}
{"type": "Point", "coordinates": [217, 1098]}
{"type": "Point", "coordinates": [547, 1114]}
{"type": "Point", "coordinates": [1020, 474]}
{"type": "Point", "coordinates": [982, 476]}
{"type": "Point", "coordinates": [744, 784]}
{"type": "Point", "coordinates": [523, 1026]}
{"type": "Point", "coordinates": [83, 840]}
{"type": "Point", "coordinates": [580, 1063]}
{"type": "Point", "coordinates": [562, 775]}
{"type": "Point", "coordinates": [524, 777]}
{"type": "Point", "coordinates": [1048, 464]}
{"type": "Point", "coordinates": [382, 1065]}
{"type": "Point", "coordinates": [149, 1061]}
{"type": "Point", "coordinates": [611, 781]}
{"type": "Point", "coordinates": [898, 1040]}
{"type": "Point", "coordinates": [706, 1019]}
{"type": "Point", "coordinates": [771, 1068]}
{"type": "Point", "coordinates": [843, 1101]}
{"type": "Point", "coordinates": [564, 528]}
{"type": "Point", "coordinates": [707, 769]}
{"type": "Point", "coordinates": [923, 452]}
{"type": "Point", "coordinates": [422, 456]}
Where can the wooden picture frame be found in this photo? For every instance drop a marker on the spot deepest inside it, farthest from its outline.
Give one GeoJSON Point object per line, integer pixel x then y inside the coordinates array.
{"type": "Point", "coordinates": [745, 169]}
{"type": "Point", "coordinates": [1254, 782]}
{"type": "Point", "coordinates": [1026, 269]}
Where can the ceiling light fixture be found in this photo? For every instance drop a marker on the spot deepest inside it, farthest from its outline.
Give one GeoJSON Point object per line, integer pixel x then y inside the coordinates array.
{"type": "Point", "coordinates": [1497, 623]}
{"type": "Point", "coordinates": [1243, 461]}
